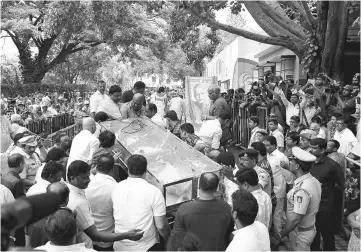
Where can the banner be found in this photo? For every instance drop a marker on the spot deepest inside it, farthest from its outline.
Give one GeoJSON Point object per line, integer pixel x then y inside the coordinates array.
{"type": "Point", "coordinates": [196, 95]}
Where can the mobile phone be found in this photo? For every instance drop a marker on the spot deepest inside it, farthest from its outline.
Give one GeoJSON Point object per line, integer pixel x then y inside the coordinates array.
{"type": "Point", "coordinates": [312, 81]}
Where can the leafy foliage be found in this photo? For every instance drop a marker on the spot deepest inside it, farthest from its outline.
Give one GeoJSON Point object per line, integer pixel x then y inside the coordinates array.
{"type": "Point", "coordinates": [61, 28]}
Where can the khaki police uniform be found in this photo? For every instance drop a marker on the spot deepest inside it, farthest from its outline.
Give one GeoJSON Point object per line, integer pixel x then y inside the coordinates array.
{"type": "Point", "coordinates": [304, 198]}
{"type": "Point", "coordinates": [32, 163]}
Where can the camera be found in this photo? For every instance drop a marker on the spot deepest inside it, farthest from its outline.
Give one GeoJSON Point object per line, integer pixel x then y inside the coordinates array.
{"type": "Point", "coordinates": [333, 89]}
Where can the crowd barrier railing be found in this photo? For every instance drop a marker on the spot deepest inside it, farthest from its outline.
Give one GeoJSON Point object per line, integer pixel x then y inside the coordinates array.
{"type": "Point", "coordinates": [242, 132]}
{"type": "Point", "coordinates": [51, 124]}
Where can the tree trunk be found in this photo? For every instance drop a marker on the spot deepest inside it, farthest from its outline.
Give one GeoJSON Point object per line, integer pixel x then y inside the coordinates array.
{"type": "Point", "coordinates": [33, 73]}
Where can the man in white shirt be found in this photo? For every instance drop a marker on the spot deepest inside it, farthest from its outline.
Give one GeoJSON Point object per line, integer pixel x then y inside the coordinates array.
{"type": "Point", "coordinates": [151, 113]}
{"type": "Point", "coordinates": [248, 180]}
{"type": "Point", "coordinates": [5, 195]}
{"type": "Point", "coordinates": [211, 133]}
{"type": "Point", "coordinates": [138, 204]}
{"type": "Point", "coordinates": [317, 128]}
{"type": "Point", "coordinates": [344, 136]}
{"type": "Point", "coordinates": [78, 177]}
{"type": "Point", "coordinates": [52, 172]}
{"type": "Point", "coordinates": [253, 122]}
{"type": "Point", "coordinates": [97, 98]}
{"type": "Point", "coordinates": [55, 154]}
{"type": "Point", "coordinates": [275, 157]}
{"type": "Point", "coordinates": [292, 106]}
{"type": "Point", "coordinates": [61, 229]}
{"type": "Point", "coordinates": [85, 144]}
{"type": "Point", "coordinates": [251, 235]}
{"type": "Point", "coordinates": [111, 104]}
{"type": "Point", "coordinates": [179, 106]}
{"type": "Point", "coordinates": [98, 194]}
{"type": "Point", "coordinates": [274, 131]}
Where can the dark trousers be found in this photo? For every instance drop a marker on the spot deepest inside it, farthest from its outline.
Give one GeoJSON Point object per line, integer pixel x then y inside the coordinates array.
{"type": "Point", "coordinates": [97, 248]}
{"type": "Point", "coordinates": [324, 227]}
{"type": "Point", "coordinates": [157, 247]}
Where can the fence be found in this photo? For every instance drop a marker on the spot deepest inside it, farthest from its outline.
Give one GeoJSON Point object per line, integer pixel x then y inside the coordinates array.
{"type": "Point", "coordinates": [242, 132]}
{"type": "Point", "coordinates": [51, 125]}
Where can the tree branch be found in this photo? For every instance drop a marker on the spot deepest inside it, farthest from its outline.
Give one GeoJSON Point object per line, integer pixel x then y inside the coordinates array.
{"type": "Point", "coordinates": [298, 7]}
{"type": "Point", "coordinates": [331, 37]}
{"type": "Point", "coordinates": [309, 15]}
{"type": "Point", "coordinates": [240, 32]}
{"type": "Point", "coordinates": [277, 14]}
{"type": "Point", "coordinates": [269, 26]}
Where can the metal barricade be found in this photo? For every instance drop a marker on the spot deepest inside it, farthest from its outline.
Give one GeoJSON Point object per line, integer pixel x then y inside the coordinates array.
{"type": "Point", "coordinates": [242, 132]}
{"type": "Point", "coordinates": [262, 113]}
{"type": "Point", "coordinates": [52, 124]}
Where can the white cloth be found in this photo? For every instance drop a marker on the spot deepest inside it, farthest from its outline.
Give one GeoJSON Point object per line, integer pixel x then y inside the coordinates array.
{"type": "Point", "coordinates": [16, 128]}
{"type": "Point", "coordinates": [254, 237]}
{"type": "Point", "coordinates": [264, 207]}
{"type": "Point", "coordinates": [38, 188]}
{"type": "Point", "coordinates": [211, 133]}
{"type": "Point", "coordinates": [160, 102]}
{"type": "Point", "coordinates": [5, 195]}
{"type": "Point", "coordinates": [6, 130]}
{"type": "Point", "coordinates": [135, 204]}
{"type": "Point", "coordinates": [346, 139]}
{"type": "Point", "coordinates": [83, 147]}
{"type": "Point", "coordinates": [38, 173]}
{"type": "Point", "coordinates": [274, 160]}
{"type": "Point", "coordinates": [253, 136]}
{"type": "Point", "coordinates": [80, 206]}
{"type": "Point", "coordinates": [99, 196]}
{"type": "Point", "coordinates": [279, 137]}
{"type": "Point", "coordinates": [75, 247]}
{"type": "Point", "coordinates": [179, 106]}
{"type": "Point", "coordinates": [291, 110]}
{"type": "Point", "coordinates": [110, 107]}
{"type": "Point", "coordinates": [321, 134]}
{"type": "Point", "coordinates": [159, 120]}
{"type": "Point", "coordinates": [96, 100]}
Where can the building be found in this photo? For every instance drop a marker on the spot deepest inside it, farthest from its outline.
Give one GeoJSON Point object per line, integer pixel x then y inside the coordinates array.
{"type": "Point", "coordinates": [233, 66]}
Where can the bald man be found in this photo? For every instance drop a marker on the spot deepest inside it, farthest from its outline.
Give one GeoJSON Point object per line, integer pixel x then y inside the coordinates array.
{"type": "Point", "coordinates": [208, 218]}
{"type": "Point", "coordinates": [62, 190]}
{"type": "Point", "coordinates": [134, 108]}
{"type": "Point", "coordinates": [85, 144]}
{"type": "Point", "coordinates": [218, 103]}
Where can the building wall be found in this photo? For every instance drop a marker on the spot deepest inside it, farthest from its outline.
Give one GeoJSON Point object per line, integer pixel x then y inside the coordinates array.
{"type": "Point", "coordinates": [223, 65]}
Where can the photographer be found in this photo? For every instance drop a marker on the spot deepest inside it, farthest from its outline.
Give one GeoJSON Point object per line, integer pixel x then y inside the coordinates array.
{"type": "Point", "coordinates": [346, 104]}
{"type": "Point", "coordinates": [275, 105]}
{"type": "Point", "coordinates": [253, 99]}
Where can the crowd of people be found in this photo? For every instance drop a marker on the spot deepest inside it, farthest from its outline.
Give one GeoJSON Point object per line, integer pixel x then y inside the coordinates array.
{"type": "Point", "coordinates": [286, 184]}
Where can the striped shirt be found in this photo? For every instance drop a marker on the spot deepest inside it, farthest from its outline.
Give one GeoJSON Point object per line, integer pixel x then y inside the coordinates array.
{"type": "Point", "coordinates": [264, 207]}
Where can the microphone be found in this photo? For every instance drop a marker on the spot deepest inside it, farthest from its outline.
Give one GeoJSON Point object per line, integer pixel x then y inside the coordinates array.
{"type": "Point", "coordinates": [27, 210]}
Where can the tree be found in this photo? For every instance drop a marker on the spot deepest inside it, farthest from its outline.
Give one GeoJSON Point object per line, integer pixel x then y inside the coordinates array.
{"type": "Point", "coordinates": [173, 64]}
{"type": "Point", "coordinates": [57, 29]}
{"type": "Point", "coordinates": [235, 20]}
{"type": "Point", "coordinates": [315, 31]}
{"type": "Point", "coordinates": [82, 66]}
{"type": "Point", "coordinates": [116, 72]}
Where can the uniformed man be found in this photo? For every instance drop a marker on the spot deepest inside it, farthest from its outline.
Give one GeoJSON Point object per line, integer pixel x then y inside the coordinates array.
{"type": "Point", "coordinates": [302, 203]}
{"type": "Point", "coordinates": [27, 148]}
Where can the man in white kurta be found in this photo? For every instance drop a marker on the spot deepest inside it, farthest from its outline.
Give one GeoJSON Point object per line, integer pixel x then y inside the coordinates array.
{"type": "Point", "coordinates": [345, 137]}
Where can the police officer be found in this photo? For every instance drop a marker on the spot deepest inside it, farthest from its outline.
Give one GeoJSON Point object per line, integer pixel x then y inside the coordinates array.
{"type": "Point", "coordinates": [32, 162]}
{"type": "Point", "coordinates": [302, 203]}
